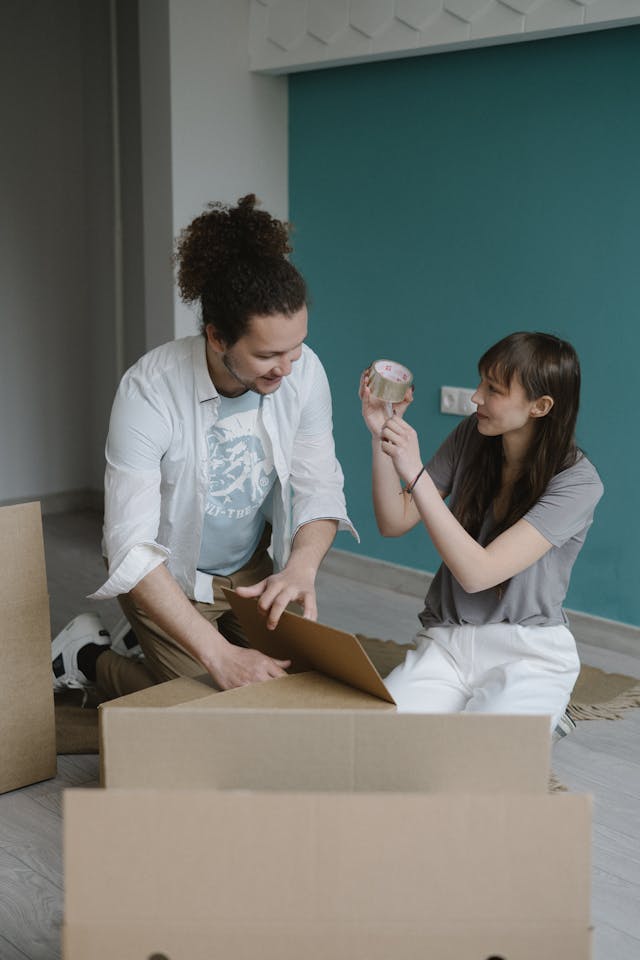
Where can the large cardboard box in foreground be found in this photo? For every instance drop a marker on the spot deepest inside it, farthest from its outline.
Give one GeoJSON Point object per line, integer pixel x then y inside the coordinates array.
{"type": "Point", "coordinates": [27, 722]}
{"type": "Point", "coordinates": [214, 875]}
{"type": "Point", "coordinates": [305, 818]}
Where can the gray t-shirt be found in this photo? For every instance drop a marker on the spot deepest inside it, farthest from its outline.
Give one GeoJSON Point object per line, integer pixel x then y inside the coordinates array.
{"type": "Point", "coordinates": [562, 515]}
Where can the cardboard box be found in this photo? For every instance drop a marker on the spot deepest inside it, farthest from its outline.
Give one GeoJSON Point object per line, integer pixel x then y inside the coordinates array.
{"type": "Point", "coordinates": [331, 730]}
{"type": "Point", "coordinates": [27, 722]}
{"type": "Point", "coordinates": [342, 829]}
{"type": "Point", "coordinates": [223, 741]}
{"type": "Point", "coordinates": [214, 875]}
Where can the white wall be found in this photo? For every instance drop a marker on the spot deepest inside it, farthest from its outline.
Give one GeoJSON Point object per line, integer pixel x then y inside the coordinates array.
{"type": "Point", "coordinates": [53, 247]}
{"type": "Point", "coordinates": [209, 130]}
{"type": "Point", "coordinates": [228, 126]}
{"type": "Point", "coordinates": [194, 126]}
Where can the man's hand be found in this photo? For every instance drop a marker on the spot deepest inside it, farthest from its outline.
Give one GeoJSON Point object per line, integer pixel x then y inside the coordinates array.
{"type": "Point", "coordinates": [276, 592]}
{"type": "Point", "coordinates": [229, 666]}
{"type": "Point", "coordinates": [296, 583]}
{"type": "Point", "coordinates": [233, 666]}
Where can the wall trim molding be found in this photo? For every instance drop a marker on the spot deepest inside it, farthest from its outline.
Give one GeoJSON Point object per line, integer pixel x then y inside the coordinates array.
{"type": "Point", "coordinates": [286, 36]}
{"type": "Point", "coordinates": [588, 629]}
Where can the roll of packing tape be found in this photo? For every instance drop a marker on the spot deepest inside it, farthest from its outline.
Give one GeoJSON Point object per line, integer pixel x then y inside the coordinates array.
{"type": "Point", "coordinates": [389, 381]}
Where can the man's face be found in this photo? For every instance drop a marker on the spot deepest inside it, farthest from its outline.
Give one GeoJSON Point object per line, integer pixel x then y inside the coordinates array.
{"type": "Point", "coordinates": [260, 359]}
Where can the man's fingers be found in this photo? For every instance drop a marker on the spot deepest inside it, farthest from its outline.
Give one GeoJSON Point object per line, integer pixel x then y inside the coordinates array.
{"type": "Point", "coordinates": [268, 596]}
{"type": "Point", "coordinates": [274, 596]}
{"type": "Point", "coordinates": [278, 668]}
{"type": "Point", "coordinates": [277, 609]}
{"type": "Point", "coordinates": [309, 607]}
{"type": "Point", "coordinates": [255, 590]}
{"type": "Point", "coordinates": [245, 666]}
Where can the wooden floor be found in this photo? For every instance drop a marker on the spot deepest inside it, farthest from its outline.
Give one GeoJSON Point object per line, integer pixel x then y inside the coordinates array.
{"type": "Point", "coordinates": [601, 758]}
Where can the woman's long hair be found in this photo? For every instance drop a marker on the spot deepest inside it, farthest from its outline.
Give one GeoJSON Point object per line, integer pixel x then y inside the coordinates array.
{"type": "Point", "coordinates": [544, 365]}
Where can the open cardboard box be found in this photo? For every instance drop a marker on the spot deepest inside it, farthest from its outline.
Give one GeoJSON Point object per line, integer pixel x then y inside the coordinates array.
{"type": "Point", "coordinates": [27, 721]}
{"type": "Point", "coordinates": [333, 727]}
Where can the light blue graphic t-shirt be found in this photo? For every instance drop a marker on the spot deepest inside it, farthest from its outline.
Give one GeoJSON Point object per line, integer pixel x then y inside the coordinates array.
{"type": "Point", "coordinates": [241, 478]}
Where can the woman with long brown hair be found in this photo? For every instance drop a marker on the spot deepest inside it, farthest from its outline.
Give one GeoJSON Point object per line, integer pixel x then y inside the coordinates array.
{"type": "Point", "coordinates": [522, 495]}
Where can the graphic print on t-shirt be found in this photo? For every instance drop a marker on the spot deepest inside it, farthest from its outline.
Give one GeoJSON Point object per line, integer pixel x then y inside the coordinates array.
{"type": "Point", "coordinates": [241, 474]}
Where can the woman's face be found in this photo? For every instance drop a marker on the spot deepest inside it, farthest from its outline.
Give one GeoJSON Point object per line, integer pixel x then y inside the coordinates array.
{"type": "Point", "coordinates": [503, 409]}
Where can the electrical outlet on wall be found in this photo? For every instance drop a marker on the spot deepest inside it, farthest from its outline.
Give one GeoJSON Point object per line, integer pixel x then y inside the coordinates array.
{"type": "Point", "coordinates": [457, 400]}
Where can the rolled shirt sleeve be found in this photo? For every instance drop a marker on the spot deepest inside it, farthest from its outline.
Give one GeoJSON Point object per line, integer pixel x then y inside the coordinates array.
{"type": "Point", "coordinates": [138, 438]}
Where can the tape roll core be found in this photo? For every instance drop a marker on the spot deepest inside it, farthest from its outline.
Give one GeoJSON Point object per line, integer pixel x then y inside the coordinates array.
{"type": "Point", "coordinates": [389, 380]}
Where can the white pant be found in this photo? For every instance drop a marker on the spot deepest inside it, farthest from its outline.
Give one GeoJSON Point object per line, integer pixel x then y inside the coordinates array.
{"type": "Point", "coordinates": [495, 668]}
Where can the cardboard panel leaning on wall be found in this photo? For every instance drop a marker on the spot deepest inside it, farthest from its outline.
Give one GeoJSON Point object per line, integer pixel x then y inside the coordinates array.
{"type": "Point", "coordinates": [202, 875]}
{"type": "Point", "coordinates": [27, 721]}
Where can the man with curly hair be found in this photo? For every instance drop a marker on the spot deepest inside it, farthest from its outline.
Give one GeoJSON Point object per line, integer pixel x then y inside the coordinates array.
{"type": "Point", "coordinates": [219, 445]}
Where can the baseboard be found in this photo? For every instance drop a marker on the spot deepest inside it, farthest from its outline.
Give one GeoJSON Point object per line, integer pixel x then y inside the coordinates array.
{"type": "Point", "coordinates": [608, 634]}
{"type": "Point", "coordinates": [587, 628]}
{"type": "Point", "coordinates": [65, 502]}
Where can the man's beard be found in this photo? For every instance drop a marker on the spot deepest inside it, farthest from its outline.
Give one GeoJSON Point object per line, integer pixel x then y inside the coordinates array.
{"type": "Point", "coordinates": [228, 364]}
{"type": "Point", "coordinates": [247, 384]}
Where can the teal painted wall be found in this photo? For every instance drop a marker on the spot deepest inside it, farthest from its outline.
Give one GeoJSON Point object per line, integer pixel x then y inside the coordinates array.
{"type": "Point", "coordinates": [442, 202]}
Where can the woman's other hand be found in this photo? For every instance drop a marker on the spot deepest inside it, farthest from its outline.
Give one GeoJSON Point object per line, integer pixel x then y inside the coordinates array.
{"type": "Point", "coordinates": [400, 442]}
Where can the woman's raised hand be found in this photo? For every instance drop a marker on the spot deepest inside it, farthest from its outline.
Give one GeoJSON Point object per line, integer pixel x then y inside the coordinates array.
{"type": "Point", "coordinates": [375, 412]}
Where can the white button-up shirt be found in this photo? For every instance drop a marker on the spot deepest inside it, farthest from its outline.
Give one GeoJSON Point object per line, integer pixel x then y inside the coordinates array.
{"type": "Point", "coordinates": [156, 476]}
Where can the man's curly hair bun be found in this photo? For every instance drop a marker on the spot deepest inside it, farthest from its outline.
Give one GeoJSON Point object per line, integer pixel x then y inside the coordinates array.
{"type": "Point", "coordinates": [223, 237]}
{"type": "Point", "coordinates": [233, 261]}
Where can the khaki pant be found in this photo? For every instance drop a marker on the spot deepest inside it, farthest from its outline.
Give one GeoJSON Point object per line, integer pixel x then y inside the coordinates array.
{"type": "Point", "coordinates": [164, 659]}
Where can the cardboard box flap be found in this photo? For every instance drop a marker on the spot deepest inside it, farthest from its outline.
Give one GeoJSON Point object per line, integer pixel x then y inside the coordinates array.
{"type": "Point", "coordinates": [349, 860]}
{"type": "Point", "coordinates": [361, 750]}
{"type": "Point", "coordinates": [21, 554]}
{"type": "Point", "coordinates": [310, 646]}
{"type": "Point", "coordinates": [303, 691]}
{"type": "Point", "coordinates": [310, 690]}
{"type": "Point", "coordinates": [170, 694]}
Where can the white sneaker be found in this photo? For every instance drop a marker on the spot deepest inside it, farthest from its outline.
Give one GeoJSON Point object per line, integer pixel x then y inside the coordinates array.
{"type": "Point", "coordinates": [124, 641]}
{"type": "Point", "coordinates": [82, 630]}
{"type": "Point", "coordinates": [565, 725]}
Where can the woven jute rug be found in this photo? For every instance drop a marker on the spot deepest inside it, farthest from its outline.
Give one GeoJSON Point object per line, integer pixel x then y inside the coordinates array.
{"type": "Point", "coordinates": [596, 696]}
